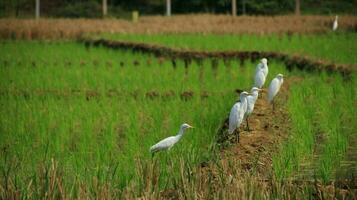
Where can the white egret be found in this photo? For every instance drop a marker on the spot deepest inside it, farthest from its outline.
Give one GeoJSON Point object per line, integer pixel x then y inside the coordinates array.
{"type": "Point", "coordinates": [251, 99]}
{"type": "Point", "coordinates": [168, 143]}
{"type": "Point", "coordinates": [263, 65]}
{"type": "Point", "coordinates": [335, 23]}
{"type": "Point", "coordinates": [259, 79]}
{"type": "Point", "coordinates": [274, 87]}
{"type": "Point", "coordinates": [236, 115]}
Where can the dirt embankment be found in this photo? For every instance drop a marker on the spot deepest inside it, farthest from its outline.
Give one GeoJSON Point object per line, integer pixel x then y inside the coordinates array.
{"type": "Point", "coordinates": [268, 129]}
{"type": "Point", "coordinates": [291, 62]}
{"type": "Point", "coordinates": [217, 24]}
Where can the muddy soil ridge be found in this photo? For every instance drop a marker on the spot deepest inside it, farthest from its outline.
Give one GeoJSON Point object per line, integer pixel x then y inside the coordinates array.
{"type": "Point", "coordinates": [291, 62]}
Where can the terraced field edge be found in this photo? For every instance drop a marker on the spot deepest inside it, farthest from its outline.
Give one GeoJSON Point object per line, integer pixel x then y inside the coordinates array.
{"type": "Point", "coordinates": [291, 62]}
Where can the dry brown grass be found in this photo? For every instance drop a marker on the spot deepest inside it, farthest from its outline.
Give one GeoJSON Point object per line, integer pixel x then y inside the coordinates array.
{"type": "Point", "coordinates": [73, 28]}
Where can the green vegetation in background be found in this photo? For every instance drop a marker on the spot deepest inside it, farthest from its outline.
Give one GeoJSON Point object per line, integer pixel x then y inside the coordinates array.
{"type": "Point", "coordinates": [119, 8]}
{"type": "Point", "coordinates": [337, 48]}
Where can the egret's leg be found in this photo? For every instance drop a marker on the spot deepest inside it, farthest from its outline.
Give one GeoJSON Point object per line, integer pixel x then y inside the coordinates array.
{"type": "Point", "coordinates": [238, 136]}
{"type": "Point", "coordinates": [246, 119]}
{"type": "Point", "coordinates": [273, 105]}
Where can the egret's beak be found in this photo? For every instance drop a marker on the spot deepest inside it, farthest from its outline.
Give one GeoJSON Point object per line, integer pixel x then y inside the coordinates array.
{"type": "Point", "coordinates": [191, 126]}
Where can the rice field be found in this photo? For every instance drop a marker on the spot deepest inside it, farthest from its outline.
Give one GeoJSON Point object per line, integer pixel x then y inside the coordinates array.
{"type": "Point", "coordinates": [333, 47]}
{"type": "Point", "coordinates": [78, 122]}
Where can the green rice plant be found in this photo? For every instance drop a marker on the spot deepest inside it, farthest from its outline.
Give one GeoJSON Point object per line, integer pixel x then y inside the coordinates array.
{"type": "Point", "coordinates": [317, 106]}
{"type": "Point", "coordinates": [332, 124]}
{"type": "Point", "coordinates": [301, 138]}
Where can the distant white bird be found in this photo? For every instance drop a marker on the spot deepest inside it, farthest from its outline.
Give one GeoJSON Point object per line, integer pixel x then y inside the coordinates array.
{"type": "Point", "coordinates": [236, 115]}
{"type": "Point", "coordinates": [274, 87]}
{"type": "Point", "coordinates": [263, 65]}
{"type": "Point", "coordinates": [251, 99]}
{"type": "Point", "coordinates": [335, 23]}
{"type": "Point", "coordinates": [168, 143]}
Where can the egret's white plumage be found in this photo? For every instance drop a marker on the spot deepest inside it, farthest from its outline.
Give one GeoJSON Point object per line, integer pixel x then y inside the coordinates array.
{"type": "Point", "coordinates": [168, 143]}
{"type": "Point", "coordinates": [263, 65]}
{"type": "Point", "coordinates": [244, 104]}
{"type": "Point", "coordinates": [274, 87]}
{"type": "Point", "coordinates": [237, 112]}
{"type": "Point", "coordinates": [233, 117]}
{"type": "Point", "coordinates": [259, 79]}
{"type": "Point", "coordinates": [251, 99]}
{"type": "Point", "coordinates": [261, 73]}
{"type": "Point", "coordinates": [335, 23]}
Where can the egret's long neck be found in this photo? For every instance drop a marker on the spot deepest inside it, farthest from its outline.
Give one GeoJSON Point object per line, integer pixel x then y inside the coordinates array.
{"type": "Point", "coordinates": [255, 94]}
{"type": "Point", "coordinates": [281, 80]}
{"type": "Point", "coordinates": [241, 98]}
{"type": "Point", "coordinates": [181, 132]}
{"type": "Point", "coordinates": [244, 99]}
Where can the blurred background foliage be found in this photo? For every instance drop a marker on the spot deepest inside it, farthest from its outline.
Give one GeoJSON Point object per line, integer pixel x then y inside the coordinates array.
{"type": "Point", "coordinates": [123, 8]}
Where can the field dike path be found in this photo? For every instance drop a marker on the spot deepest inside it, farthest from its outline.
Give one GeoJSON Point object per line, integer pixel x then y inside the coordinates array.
{"type": "Point", "coordinates": [268, 129]}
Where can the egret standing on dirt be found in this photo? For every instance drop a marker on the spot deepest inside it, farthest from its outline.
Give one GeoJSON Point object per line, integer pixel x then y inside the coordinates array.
{"type": "Point", "coordinates": [335, 23]}
{"type": "Point", "coordinates": [168, 143]}
{"type": "Point", "coordinates": [251, 99]}
{"type": "Point", "coordinates": [237, 113]}
{"type": "Point", "coordinates": [261, 73]}
{"type": "Point", "coordinates": [274, 88]}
